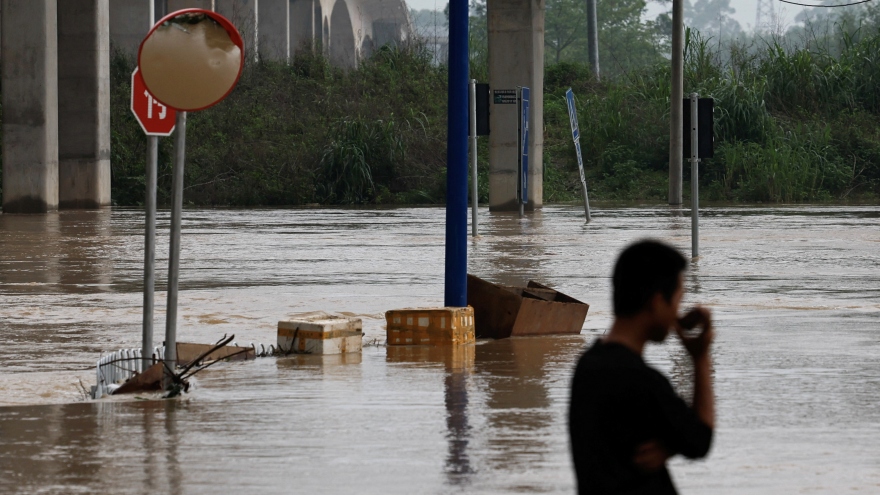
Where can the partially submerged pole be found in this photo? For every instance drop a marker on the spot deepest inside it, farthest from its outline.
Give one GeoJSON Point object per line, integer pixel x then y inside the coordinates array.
{"type": "Point", "coordinates": [174, 248]}
{"type": "Point", "coordinates": [576, 137]}
{"type": "Point", "coordinates": [455, 290]}
{"type": "Point", "coordinates": [695, 183]}
{"type": "Point", "coordinates": [675, 99]}
{"type": "Point", "coordinates": [149, 250]}
{"type": "Point", "coordinates": [474, 191]}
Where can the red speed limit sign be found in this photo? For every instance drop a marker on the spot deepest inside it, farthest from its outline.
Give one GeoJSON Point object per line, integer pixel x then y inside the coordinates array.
{"type": "Point", "coordinates": [155, 118]}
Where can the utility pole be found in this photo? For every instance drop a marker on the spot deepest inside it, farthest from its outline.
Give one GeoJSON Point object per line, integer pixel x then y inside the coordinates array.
{"type": "Point", "coordinates": [675, 99]}
{"type": "Point", "coordinates": [593, 37]}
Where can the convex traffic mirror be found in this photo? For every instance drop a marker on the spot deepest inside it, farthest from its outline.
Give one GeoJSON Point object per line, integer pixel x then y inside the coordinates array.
{"type": "Point", "coordinates": [191, 59]}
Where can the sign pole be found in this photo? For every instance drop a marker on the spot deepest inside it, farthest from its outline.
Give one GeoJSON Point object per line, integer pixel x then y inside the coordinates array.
{"type": "Point", "coordinates": [474, 192]}
{"type": "Point", "coordinates": [455, 282]}
{"type": "Point", "coordinates": [576, 136]}
{"type": "Point", "coordinates": [523, 140]}
{"type": "Point", "coordinates": [174, 248]}
{"type": "Point", "coordinates": [586, 196]}
{"type": "Point", "coordinates": [149, 250]}
{"type": "Point", "coordinates": [156, 120]}
{"type": "Point", "coordinates": [695, 183]}
{"type": "Point", "coordinates": [519, 145]}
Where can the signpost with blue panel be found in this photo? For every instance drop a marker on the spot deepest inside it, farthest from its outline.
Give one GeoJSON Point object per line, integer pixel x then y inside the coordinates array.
{"type": "Point", "coordinates": [576, 136]}
{"type": "Point", "coordinates": [524, 148]}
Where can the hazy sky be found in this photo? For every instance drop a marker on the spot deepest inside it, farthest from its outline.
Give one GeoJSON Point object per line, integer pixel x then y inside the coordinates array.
{"type": "Point", "coordinates": [745, 10]}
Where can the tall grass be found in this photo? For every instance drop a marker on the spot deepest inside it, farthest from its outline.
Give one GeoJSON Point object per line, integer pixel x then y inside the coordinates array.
{"type": "Point", "coordinates": [791, 123]}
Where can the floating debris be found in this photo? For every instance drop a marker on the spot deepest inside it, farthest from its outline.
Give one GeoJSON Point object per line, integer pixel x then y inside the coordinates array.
{"type": "Point", "coordinates": [536, 309]}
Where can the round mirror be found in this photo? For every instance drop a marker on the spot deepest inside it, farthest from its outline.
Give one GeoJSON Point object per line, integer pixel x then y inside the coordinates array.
{"type": "Point", "coordinates": [191, 59]}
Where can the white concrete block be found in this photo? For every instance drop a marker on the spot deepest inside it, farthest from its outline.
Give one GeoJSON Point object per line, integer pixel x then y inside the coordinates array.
{"type": "Point", "coordinates": [321, 334]}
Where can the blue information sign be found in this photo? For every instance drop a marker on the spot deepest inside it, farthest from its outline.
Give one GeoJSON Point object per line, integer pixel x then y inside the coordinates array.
{"type": "Point", "coordinates": [524, 145]}
{"type": "Point", "coordinates": [575, 131]}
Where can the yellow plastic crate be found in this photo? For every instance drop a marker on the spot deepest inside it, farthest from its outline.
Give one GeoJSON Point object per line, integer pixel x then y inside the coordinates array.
{"type": "Point", "coordinates": [430, 326]}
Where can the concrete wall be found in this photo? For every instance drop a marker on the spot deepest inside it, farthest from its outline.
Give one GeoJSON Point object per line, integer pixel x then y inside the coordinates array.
{"type": "Point", "coordinates": [244, 15]}
{"type": "Point", "coordinates": [130, 20]}
{"type": "Point", "coordinates": [516, 58]}
{"type": "Point", "coordinates": [175, 5]}
{"type": "Point", "coordinates": [343, 42]}
{"type": "Point", "coordinates": [274, 29]}
{"type": "Point", "coordinates": [302, 24]}
{"type": "Point", "coordinates": [83, 103]}
{"type": "Point", "coordinates": [30, 106]}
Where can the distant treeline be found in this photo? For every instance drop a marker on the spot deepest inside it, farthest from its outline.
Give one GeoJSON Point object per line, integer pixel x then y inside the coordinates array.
{"type": "Point", "coordinates": [793, 123]}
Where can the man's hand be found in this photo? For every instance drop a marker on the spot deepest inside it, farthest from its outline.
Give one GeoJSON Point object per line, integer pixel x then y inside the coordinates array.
{"type": "Point", "coordinates": [651, 456]}
{"type": "Point", "coordinates": [698, 345]}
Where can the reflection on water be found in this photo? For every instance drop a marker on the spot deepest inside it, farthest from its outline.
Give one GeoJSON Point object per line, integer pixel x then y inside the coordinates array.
{"type": "Point", "coordinates": [795, 292]}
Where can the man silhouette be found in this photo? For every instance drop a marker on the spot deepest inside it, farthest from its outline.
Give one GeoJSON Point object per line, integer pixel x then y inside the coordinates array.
{"type": "Point", "coordinates": [625, 419]}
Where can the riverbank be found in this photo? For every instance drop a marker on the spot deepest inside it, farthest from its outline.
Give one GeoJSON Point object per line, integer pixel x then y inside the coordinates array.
{"type": "Point", "coordinates": [792, 125]}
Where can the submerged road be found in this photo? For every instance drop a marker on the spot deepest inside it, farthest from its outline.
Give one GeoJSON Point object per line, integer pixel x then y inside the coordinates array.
{"type": "Point", "coordinates": [795, 290]}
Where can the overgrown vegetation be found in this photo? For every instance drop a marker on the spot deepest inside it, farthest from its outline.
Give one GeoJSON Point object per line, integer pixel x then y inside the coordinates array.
{"type": "Point", "coordinates": [791, 123]}
{"type": "Point", "coordinates": [794, 122]}
{"type": "Point", "coordinates": [301, 133]}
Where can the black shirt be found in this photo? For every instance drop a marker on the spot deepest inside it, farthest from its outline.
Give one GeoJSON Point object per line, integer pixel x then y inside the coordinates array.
{"type": "Point", "coordinates": [618, 403]}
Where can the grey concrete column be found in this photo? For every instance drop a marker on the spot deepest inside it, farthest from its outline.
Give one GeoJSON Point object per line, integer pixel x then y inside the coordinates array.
{"type": "Point", "coordinates": [321, 30]}
{"type": "Point", "coordinates": [244, 15]}
{"type": "Point", "coordinates": [302, 22]}
{"type": "Point", "coordinates": [343, 42]}
{"type": "Point", "coordinates": [83, 103]}
{"type": "Point", "coordinates": [30, 106]}
{"type": "Point", "coordinates": [130, 20]}
{"type": "Point", "coordinates": [273, 24]}
{"type": "Point", "coordinates": [516, 58]}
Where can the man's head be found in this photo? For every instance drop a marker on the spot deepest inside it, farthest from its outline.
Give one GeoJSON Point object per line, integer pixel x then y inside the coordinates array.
{"type": "Point", "coordinates": [647, 282]}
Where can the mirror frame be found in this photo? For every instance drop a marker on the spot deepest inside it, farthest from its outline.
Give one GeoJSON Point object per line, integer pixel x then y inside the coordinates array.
{"type": "Point", "coordinates": [234, 35]}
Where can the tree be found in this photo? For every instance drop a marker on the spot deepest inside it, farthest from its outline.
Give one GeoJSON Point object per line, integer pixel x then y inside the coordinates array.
{"type": "Point", "coordinates": [626, 42]}
{"type": "Point", "coordinates": [713, 18]}
{"type": "Point", "coordinates": [565, 23]}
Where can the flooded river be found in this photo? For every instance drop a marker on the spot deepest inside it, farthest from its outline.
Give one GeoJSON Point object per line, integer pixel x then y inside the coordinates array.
{"type": "Point", "coordinates": [796, 292]}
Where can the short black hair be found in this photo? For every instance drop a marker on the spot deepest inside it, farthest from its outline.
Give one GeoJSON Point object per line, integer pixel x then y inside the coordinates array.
{"type": "Point", "coordinates": [642, 270]}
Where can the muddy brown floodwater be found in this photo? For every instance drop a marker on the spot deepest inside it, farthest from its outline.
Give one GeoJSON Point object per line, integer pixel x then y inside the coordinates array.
{"type": "Point", "coordinates": [796, 294]}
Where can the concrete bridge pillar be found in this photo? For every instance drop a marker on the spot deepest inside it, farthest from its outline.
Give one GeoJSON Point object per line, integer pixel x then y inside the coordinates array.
{"type": "Point", "coordinates": [130, 20]}
{"type": "Point", "coordinates": [343, 45]}
{"type": "Point", "coordinates": [273, 24]}
{"type": "Point", "coordinates": [516, 58]}
{"type": "Point", "coordinates": [83, 103]}
{"type": "Point", "coordinates": [302, 24]}
{"type": "Point", "coordinates": [244, 15]}
{"type": "Point", "coordinates": [30, 105]}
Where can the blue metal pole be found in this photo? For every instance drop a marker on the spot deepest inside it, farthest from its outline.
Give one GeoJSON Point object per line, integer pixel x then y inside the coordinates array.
{"type": "Point", "coordinates": [456, 157]}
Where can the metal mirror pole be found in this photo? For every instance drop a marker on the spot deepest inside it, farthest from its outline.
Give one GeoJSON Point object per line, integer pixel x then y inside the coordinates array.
{"type": "Point", "coordinates": [149, 250]}
{"type": "Point", "coordinates": [695, 183]}
{"type": "Point", "coordinates": [474, 194]}
{"type": "Point", "coordinates": [174, 248]}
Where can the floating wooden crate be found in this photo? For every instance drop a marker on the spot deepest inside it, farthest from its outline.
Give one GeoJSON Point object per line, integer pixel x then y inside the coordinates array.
{"type": "Point", "coordinates": [322, 334]}
{"type": "Point", "coordinates": [430, 326]}
{"type": "Point", "coordinates": [536, 309]}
